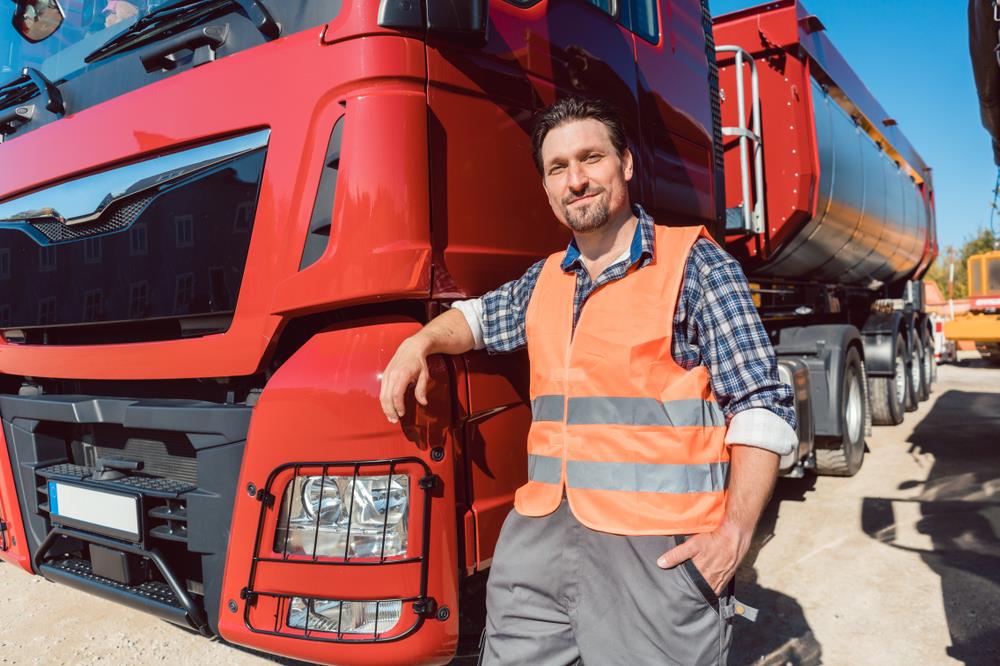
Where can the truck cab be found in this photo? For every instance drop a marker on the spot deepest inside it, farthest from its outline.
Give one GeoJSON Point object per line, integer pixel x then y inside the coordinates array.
{"type": "Point", "coordinates": [218, 220]}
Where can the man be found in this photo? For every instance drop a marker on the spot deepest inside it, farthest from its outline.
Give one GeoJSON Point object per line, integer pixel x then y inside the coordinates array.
{"type": "Point", "coordinates": [658, 418]}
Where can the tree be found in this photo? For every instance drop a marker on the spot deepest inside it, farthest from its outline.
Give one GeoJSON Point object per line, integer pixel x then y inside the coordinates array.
{"type": "Point", "coordinates": [984, 241]}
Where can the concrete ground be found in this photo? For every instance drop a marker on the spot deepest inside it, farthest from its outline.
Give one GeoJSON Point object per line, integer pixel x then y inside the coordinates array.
{"type": "Point", "coordinates": [898, 565]}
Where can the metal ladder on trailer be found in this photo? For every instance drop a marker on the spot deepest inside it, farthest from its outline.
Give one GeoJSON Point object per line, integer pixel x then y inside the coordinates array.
{"type": "Point", "coordinates": [749, 216]}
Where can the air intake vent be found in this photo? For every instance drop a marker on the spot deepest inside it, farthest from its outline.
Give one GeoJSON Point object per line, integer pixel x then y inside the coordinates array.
{"type": "Point", "coordinates": [322, 214]}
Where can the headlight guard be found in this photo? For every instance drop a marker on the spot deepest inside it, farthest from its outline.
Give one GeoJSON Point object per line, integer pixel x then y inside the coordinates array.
{"type": "Point", "coordinates": [361, 515]}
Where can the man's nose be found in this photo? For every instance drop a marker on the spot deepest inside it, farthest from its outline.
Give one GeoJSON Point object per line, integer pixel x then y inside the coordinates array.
{"type": "Point", "coordinates": [578, 180]}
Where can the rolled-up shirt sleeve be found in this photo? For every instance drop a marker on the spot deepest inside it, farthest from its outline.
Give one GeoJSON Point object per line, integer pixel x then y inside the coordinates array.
{"type": "Point", "coordinates": [472, 309]}
{"type": "Point", "coordinates": [722, 321]}
{"type": "Point", "coordinates": [497, 317]}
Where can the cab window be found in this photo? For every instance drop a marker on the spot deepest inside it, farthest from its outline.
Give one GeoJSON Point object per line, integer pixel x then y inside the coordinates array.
{"type": "Point", "coordinates": [641, 17]}
{"type": "Point", "coordinates": [606, 5]}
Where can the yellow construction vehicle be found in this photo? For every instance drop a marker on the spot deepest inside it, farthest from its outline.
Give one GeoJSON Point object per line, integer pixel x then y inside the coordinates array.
{"type": "Point", "coordinates": [982, 322]}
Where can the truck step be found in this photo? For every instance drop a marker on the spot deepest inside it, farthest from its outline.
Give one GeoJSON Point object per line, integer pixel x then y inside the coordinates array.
{"type": "Point", "coordinates": [154, 597]}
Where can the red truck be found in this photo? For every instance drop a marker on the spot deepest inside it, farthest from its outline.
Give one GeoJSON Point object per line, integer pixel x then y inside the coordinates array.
{"type": "Point", "coordinates": [219, 218]}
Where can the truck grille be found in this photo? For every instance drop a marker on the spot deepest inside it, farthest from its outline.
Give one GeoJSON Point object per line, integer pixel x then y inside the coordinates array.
{"type": "Point", "coordinates": [191, 452]}
{"type": "Point", "coordinates": [115, 218]}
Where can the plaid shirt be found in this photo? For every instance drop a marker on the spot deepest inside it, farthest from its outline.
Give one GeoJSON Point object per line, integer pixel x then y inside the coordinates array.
{"type": "Point", "coordinates": [715, 324]}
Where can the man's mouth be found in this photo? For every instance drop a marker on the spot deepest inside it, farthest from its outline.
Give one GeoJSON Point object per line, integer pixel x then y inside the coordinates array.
{"type": "Point", "coordinates": [585, 197]}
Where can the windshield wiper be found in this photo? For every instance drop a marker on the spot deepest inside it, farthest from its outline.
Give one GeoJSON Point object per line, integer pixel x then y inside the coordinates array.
{"type": "Point", "coordinates": [165, 21]}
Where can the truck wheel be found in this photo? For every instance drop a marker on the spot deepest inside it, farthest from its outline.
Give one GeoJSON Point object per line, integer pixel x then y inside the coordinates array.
{"type": "Point", "coordinates": [849, 450]}
{"type": "Point", "coordinates": [929, 346]}
{"type": "Point", "coordinates": [913, 379]}
{"type": "Point", "coordinates": [926, 370]}
{"type": "Point", "coordinates": [888, 393]}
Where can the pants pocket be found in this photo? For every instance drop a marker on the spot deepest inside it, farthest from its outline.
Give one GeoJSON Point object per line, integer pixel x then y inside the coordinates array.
{"type": "Point", "coordinates": [711, 598]}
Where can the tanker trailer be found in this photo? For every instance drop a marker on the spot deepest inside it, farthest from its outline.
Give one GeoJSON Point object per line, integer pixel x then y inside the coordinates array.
{"type": "Point", "coordinates": [830, 210]}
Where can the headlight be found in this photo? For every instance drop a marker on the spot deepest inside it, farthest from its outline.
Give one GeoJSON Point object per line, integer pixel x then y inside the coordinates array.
{"type": "Point", "coordinates": [338, 516]}
{"type": "Point", "coordinates": [344, 617]}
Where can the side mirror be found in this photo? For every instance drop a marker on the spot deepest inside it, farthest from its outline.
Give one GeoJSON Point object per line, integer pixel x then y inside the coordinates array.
{"type": "Point", "coordinates": [36, 20]}
{"type": "Point", "coordinates": [466, 19]}
{"type": "Point", "coordinates": [459, 20]}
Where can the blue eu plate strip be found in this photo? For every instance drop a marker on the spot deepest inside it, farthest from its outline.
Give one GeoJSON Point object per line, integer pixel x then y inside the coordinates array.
{"type": "Point", "coordinates": [53, 499]}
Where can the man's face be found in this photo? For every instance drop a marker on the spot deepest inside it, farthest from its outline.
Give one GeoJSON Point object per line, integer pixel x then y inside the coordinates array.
{"type": "Point", "coordinates": [584, 177]}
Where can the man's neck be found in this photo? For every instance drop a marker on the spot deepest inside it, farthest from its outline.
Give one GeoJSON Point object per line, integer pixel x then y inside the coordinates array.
{"type": "Point", "coordinates": [601, 247]}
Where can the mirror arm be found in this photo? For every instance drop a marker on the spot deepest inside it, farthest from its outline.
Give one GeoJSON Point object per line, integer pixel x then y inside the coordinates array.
{"type": "Point", "coordinates": [48, 90]}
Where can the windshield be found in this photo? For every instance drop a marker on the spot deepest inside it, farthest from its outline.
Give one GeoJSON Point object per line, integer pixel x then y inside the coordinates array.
{"type": "Point", "coordinates": [88, 25]}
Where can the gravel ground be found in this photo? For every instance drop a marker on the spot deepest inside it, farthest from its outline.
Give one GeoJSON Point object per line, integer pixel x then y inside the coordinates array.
{"type": "Point", "coordinates": [898, 565]}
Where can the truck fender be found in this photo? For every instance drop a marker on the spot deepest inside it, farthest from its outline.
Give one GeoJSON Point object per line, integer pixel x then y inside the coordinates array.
{"type": "Point", "coordinates": [319, 413]}
{"type": "Point", "coordinates": [880, 331]}
{"type": "Point", "coordinates": [822, 349]}
{"type": "Point", "coordinates": [793, 372]}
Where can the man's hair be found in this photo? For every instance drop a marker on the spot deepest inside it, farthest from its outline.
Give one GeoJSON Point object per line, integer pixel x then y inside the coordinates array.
{"type": "Point", "coordinates": [572, 108]}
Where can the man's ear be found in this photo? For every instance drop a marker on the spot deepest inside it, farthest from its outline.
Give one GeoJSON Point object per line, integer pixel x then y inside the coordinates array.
{"type": "Point", "coordinates": [627, 164]}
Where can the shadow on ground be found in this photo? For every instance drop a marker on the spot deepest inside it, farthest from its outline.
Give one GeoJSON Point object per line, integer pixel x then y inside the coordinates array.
{"type": "Point", "coordinates": [959, 509]}
{"type": "Point", "coordinates": [781, 635]}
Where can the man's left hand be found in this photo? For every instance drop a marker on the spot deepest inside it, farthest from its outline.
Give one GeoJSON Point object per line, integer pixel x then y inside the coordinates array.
{"type": "Point", "coordinates": [715, 554]}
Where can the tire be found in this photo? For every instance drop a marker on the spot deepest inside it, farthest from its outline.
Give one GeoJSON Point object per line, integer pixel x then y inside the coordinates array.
{"type": "Point", "coordinates": [848, 452]}
{"type": "Point", "coordinates": [913, 379]}
{"type": "Point", "coordinates": [888, 393]}
{"type": "Point", "coordinates": [926, 369]}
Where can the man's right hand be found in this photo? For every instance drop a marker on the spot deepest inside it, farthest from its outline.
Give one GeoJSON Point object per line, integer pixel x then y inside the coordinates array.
{"type": "Point", "coordinates": [408, 365]}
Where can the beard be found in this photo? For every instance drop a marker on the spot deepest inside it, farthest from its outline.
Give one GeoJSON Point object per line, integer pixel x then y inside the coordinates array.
{"type": "Point", "coordinates": [589, 217]}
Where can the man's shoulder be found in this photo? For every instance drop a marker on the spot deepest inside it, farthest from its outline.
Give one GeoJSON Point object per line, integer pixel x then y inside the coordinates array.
{"type": "Point", "coordinates": [707, 255]}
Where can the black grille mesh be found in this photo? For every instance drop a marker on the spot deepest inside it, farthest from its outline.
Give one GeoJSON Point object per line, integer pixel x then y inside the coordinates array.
{"type": "Point", "coordinates": [158, 460]}
{"type": "Point", "coordinates": [117, 216]}
{"type": "Point", "coordinates": [713, 87]}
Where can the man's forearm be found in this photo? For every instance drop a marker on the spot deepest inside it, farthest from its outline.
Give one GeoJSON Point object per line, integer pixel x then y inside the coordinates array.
{"type": "Point", "coordinates": [752, 473]}
{"type": "Point", "coordinates": [448, 333]}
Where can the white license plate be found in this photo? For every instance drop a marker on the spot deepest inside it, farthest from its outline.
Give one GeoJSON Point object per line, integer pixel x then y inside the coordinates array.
{"type": "Point", "coordinates": [110, 513]}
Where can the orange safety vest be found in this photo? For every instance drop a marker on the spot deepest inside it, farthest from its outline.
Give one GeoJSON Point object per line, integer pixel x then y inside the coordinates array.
{"type": "Point", "coordinates": [636, 441]}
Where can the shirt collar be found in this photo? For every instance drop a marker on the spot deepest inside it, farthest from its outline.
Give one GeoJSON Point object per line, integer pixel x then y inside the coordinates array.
{"type": "Point", "coordinates": [640, 252]}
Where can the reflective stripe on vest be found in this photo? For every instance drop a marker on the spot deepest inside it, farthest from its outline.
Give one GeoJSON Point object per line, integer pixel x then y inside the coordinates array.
{"type": "Point", "coordinates": [628, 411]}
{"type": "Point", "coordinates": [631, 477]}
{"type": "Point", "coordinates": [635, 442]}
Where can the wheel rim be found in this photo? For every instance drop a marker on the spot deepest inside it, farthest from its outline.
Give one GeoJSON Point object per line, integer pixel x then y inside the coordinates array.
{"type": "Point", "coordinates": [854, 411]}
{"type": "Point", "coordinates": [900, 379]}
{"type": "Point", "coordinates": [914, 371]}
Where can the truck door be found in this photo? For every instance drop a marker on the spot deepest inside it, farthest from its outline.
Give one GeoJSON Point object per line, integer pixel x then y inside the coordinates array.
{"type": "Point", "coordinates": [490, 217]}
{"type": "Point", "coordinates": [673, 55]}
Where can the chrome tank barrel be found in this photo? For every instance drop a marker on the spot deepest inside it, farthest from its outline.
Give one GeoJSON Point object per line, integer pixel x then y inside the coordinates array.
{"type": "Point", "coordinates": [870, 221]}
{"type": "Point", "coordinates": [847, 199]}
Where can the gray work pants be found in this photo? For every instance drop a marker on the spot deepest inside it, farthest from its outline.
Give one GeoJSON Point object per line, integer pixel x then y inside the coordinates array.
{"type": "Point", "coordinates": [561, 593]}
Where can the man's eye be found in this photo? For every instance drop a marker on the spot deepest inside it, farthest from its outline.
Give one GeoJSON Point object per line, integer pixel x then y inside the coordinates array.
{"type": "Point", "coordinates": [593, 157]}
{"type": "Point", "coordinates": [558, 168]}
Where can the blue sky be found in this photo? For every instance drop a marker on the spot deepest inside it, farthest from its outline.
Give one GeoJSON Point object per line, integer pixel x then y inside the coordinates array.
{"type": "Point", "coordinates": [914, 58]}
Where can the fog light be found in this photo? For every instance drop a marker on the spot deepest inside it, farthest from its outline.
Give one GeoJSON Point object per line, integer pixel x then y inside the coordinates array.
{"type": "Point", "coordinates": [344, 617]}
{"type": "Point", "coordinates": [344, 516]}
